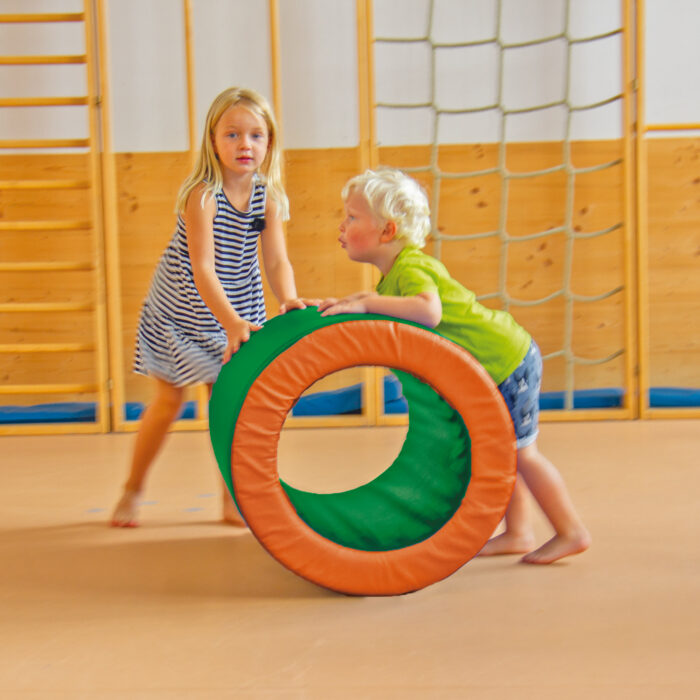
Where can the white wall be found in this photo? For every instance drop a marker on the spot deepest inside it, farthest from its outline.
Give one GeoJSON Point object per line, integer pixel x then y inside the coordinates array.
{"type": "Point", "coordinates": [673, 61]}
{"type": "Point", "coordinates": [319, 68]}
{"type": "Point", "coordinates": [41, 81]}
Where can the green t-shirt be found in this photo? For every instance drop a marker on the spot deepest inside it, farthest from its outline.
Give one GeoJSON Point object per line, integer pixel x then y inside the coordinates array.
{"type": "Point", "coordinates": [492, 336]}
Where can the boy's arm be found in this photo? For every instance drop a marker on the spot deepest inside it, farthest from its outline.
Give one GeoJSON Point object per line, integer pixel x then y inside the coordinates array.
{"type": "Point", "coordinates": [424, 308]}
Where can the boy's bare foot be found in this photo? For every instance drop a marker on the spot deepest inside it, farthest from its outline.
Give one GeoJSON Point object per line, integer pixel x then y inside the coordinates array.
{"type": "Point", "coordinates": [230, 512]}
{"type": "Point", "coordinates": [558, 547]}
{"type": "Point", "coordinates": [507, 543]}
{"type": "Point", "coordinates": [126, 511]}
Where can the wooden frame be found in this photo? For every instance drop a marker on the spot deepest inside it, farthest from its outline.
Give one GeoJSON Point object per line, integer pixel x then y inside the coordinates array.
{"type": "Point", "coordinates": [368, 149]}
{"type": "Point", "coordinates": [372, 387]}
{"type": "Point", "coordinates": [643, 307]}
{"type": "Point", "coordinates": [96, 265]}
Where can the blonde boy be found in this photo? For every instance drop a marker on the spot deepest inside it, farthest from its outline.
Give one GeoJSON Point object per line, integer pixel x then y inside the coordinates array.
{"type": "Point", "coordinates": [387, 221]}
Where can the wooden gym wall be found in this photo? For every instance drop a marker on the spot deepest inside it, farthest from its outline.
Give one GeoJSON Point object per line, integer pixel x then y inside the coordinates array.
{"type": "Point", "coordinates": [142, 202]}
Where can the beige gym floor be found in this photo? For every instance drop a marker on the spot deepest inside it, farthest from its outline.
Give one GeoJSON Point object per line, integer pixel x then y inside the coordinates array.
{"type": "Point", "coordinates": [187, 608]}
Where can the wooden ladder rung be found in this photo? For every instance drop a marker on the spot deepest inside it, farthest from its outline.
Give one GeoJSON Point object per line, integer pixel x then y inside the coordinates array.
{"type": "Point", "coordinates": [45, 266]}
{"type": "Point", "coordinates": [44, 143]}
{"type": "Point", "coordinates": [45, 306]}
{"type": "Point", "coordinates": [44, 184]}
{"type": "Point", "coordinates": [40, 60]}
{"type": "Point", "coordinates": [42, 101]}
{"type": "Point", "coordinates": [688, 126]}
{"type": "Point", "coordinates": [42, 17]}
{"type": "Point", "coordinates": [21, 348]}
{"type": "Point", "coordinates": [48, 389]}
{"type": "Point", "coordinates": [44, 225]}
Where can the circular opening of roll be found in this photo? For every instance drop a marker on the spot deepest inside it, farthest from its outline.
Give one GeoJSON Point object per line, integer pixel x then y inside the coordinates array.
{"type": "Point", "coordinates": [413, 497]}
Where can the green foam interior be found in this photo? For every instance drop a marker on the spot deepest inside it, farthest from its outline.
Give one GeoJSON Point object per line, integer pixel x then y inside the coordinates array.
{"type": "Point", "coordinates": [406, 503]}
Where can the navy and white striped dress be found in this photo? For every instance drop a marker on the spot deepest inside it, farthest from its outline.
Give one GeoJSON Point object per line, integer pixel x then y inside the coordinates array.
{"type": "Point", "coordinates": [178, 338]}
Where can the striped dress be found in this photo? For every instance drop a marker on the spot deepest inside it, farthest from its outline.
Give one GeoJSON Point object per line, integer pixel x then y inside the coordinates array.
{"type": "Point", "coordinates": [178, 338]}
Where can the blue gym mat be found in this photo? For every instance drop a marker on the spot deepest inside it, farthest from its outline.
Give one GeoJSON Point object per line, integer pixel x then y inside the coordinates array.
{"type": "Point", "coordinates": [348, 400]}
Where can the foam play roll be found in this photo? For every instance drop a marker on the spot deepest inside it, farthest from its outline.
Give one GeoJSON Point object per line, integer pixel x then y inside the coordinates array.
{"type": "Point", "coordinates": [421, 519]}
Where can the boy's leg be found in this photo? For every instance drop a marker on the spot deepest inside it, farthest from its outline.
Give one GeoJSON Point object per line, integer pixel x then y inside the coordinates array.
{"type": "Point", "coordinates": [518, 536]}
{"type": "Point", "coordinates": [520, 391]}
{"type": "Point", "coordinates": [547, 486]}
{"type": "Point", "coordinates": [156, 420]}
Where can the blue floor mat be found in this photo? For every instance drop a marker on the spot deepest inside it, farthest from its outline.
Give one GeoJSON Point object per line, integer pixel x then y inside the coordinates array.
{"type": "Point", "coordinates": [347, 401]}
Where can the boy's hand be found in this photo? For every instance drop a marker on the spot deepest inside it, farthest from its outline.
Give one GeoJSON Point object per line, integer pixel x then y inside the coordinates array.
{"type": "Point", "coordinates": [295, 304]}
{"type": "Point", "coordinates": [236, 335]}
{"type": "Point", "coordinates": [326, 303]}
{"type": "Point", "coordinates": [344, 306]}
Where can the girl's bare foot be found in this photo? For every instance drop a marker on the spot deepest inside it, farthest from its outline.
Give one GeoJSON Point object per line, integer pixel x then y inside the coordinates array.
{"type": "Point", "coordinates": [558, 547]}
{"type": "Point", "coordinates": [230, 512]}
{"type": "Point", "coordinates": [126, 511]}
{"type": "Point", "coordinates": [508, 543]}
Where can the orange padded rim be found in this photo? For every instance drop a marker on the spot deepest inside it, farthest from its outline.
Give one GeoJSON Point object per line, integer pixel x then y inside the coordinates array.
{"type": "Point", "coordinates": [455, 375]}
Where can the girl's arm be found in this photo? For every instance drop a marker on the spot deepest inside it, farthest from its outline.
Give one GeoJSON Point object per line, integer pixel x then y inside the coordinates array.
{"type": "Point", "coordinates": [199, 224]}
{"type": "Point", "coordinates": [277, 266]}
{"type": "Point", "coordinates": [424, 308]}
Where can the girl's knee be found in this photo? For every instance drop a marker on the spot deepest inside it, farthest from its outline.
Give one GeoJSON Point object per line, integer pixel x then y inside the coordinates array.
{"type": "Point", "coordinates": [169, 398]}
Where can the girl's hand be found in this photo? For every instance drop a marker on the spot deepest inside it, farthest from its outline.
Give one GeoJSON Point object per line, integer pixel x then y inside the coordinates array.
{"type": "Point", "coordinates": [237, 334]}
{"type": "Point", "coordinates": [295, 304]}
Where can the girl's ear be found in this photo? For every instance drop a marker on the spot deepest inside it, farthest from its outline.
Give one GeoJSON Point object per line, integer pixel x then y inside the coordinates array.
{"type": "Point", "coordinates": [389, 232]}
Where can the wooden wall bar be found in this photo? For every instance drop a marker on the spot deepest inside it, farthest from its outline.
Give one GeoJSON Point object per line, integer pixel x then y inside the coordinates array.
{"type": "Point", "coordinates": [46, 286]}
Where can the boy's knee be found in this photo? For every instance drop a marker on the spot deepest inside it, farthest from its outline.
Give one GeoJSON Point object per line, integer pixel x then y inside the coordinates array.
{"type": "Point", "coordinates": [528, 455]}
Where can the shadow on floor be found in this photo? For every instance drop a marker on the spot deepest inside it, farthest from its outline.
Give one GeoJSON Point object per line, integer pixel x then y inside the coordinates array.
{"type": "Point", "coordinates": [90, 557]}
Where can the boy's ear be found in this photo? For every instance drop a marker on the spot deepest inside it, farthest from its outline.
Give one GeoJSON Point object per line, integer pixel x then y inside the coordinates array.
{"type": "Point", "coordinates": [389, 232]}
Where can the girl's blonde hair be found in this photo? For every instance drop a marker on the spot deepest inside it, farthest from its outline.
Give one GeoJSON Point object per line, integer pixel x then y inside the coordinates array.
{"type": "Point", "coordinates": [393, 196]}
{"type": "Point", "coordinates": [207, 169]}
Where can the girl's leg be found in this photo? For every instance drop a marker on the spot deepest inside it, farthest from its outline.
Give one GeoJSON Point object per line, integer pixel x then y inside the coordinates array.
{"type": "Point", "coordinates": [518, 536]}
{"type": "Point", "coordinates": [229, 511]}
{"type": "Point", "coordinates": [547, 486]}
{"type": "Point", "coordinates": [156, 420]}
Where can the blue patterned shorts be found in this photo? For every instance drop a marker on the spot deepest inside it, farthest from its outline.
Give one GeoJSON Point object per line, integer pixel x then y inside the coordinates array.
{"type": "Point", "coordinates": [521, 392]}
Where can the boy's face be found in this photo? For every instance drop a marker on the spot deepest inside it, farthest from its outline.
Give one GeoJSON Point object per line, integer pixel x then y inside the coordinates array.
{"type": "Point", "coordinates": [360, 232]}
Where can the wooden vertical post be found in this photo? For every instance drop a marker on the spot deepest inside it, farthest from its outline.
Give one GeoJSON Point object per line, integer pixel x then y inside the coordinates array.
{"type": "Point", "coordinates": [202, 394]}
{"type": "Point", "coordinates": [98, 251]}
{"type": "Point", "coordinates": [642, 218]}
{"type": "Point", "coordinates": [631, 403]}
{"type": "Point", "coordinates": [111, 228]}
{"type": "Point", "coordinates": [275, 64]}
{"type": "Point", "coordinates": [191, 95]}
{"type": "Point", "coordinates": [373, 393]}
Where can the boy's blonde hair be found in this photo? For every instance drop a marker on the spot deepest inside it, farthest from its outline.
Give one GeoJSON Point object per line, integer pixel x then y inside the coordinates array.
{"type": "Point", "coordinates": [207, 169]}
{"type": "Point", "coordinates": [393, 196]}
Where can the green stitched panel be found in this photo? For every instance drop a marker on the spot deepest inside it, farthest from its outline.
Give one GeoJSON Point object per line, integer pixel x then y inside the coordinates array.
{"type": "Point", "coordinates": [414, 497]}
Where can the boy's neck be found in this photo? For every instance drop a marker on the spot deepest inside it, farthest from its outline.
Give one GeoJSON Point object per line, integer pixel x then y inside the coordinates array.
{"type": "Point", "coordinates": [387, 254]}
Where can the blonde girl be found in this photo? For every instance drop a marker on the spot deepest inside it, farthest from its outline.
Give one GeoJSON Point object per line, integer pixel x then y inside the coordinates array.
{"type": "Point", "coordinates": [206, 295]}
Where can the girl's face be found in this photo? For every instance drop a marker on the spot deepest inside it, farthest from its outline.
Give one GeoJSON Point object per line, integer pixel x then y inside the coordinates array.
{"type": "Point", "coordinates": [241, 140]}
{"type": "Point", "coordinates": [360, 232]}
